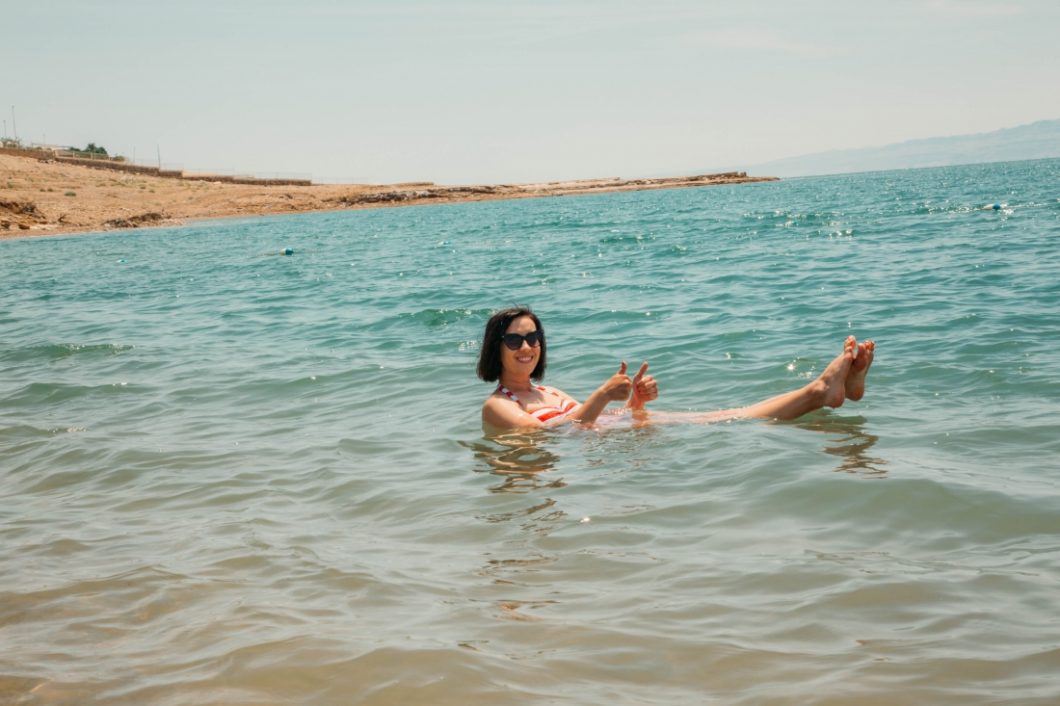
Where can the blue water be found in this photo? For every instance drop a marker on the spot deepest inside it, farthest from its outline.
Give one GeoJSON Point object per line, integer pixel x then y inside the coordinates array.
{"type": "Point", "coordinates": [228, 476]}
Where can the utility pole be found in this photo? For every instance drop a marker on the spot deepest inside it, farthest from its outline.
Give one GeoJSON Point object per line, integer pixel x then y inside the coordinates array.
{"type": "Point", "coordinates": [14, 127]}
{"type": "Point", "coordinates": [159, 150]}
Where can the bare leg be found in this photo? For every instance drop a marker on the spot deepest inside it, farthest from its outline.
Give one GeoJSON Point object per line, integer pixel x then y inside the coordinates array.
{"type": "Point", "coordinates": [855, 385]}
{"type": "Point", "coordinates": [843, 379]}
{"type": "Point", "coordinates": [828, 390]}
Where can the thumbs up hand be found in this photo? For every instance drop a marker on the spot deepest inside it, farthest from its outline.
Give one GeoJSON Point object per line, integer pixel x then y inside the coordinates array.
{"type": "Point", "coordinates": [618, 386]}
{"type": "Point", "coordinates": [645, 389]}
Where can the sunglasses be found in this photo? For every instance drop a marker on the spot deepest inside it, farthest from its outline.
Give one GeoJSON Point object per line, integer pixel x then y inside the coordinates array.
{"type": "Point", "coordinates": [514, 341]}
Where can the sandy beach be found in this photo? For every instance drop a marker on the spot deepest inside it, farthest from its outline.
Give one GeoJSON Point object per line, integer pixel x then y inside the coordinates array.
{"type": "Point", "coordinates": [46, 197]}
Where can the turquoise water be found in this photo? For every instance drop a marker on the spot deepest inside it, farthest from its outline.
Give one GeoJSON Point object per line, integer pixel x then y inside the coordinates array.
{"type": "Point", "coordinates": [233, 477]}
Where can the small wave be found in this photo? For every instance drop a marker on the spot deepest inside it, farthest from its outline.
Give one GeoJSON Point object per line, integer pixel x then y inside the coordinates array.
{"type": "Point", "coordinates": [438, 318]}
{"type": "Point", "coordinates": [59, 351]}
{"type": "Point", "coordinates": [25, 431]}
{"type": "Point", "coordinates": [43, 393]}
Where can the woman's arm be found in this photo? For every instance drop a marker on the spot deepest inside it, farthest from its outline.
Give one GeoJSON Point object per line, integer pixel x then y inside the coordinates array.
{"type": "Point", "coordinates": [501, 413]}
{"type": "Point", "coordinates": [616, 389]}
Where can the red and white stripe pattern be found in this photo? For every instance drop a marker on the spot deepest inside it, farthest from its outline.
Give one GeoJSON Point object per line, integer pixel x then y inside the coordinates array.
{"type": "Point", "coordinates": [544, 413]}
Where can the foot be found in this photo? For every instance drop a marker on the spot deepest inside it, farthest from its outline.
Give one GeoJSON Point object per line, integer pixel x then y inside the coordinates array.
{"type": "Point", "coordinates": [855, 383]}
{"type": "Point", "coordinates": [834, 377]}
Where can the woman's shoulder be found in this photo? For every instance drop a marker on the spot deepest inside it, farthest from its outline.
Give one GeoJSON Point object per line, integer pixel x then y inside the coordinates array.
{"type": "Point", "coordinates": [501, 412]}
{"type": "Point", "coordinates": [498, 398]}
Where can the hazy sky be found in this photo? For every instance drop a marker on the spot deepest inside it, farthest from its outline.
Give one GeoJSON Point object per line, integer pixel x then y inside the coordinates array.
{"type": "Point", "coordinates": [471, 91]}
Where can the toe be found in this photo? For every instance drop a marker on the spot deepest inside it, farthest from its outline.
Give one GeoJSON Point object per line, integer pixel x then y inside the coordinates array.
{"type": "Point", "coordinates": [851, 346]}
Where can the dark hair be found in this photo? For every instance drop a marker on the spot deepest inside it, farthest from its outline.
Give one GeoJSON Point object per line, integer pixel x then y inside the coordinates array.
{"type": "Point", "coordinates": [489, 356]}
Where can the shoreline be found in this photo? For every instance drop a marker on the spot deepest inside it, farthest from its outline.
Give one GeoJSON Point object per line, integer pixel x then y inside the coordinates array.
{"type": "Point", "coordinates": [44, 197]}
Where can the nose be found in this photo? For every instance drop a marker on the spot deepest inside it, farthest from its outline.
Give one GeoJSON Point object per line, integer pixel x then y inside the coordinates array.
{"type": "Point", "coordinates": [525, 344]}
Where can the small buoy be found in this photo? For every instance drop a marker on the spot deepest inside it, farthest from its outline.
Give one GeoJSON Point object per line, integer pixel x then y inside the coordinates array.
{"type": "Point", "coordinates": [287, 251]}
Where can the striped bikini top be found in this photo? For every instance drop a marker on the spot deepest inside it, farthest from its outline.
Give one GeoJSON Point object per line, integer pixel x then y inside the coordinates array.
{"type": "Point", "coordinates": [545, 413]}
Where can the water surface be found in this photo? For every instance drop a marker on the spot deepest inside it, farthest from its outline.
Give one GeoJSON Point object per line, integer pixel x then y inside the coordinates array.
{"type": "Point", "coordinates": [233, 477]}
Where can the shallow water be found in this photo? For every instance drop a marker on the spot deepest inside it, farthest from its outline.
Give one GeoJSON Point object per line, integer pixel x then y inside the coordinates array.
{"type": "Point", "coordinates": [233, 477]}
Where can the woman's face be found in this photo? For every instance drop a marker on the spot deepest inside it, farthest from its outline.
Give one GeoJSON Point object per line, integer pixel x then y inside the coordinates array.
{"type": "Point", "coordinates": [524, 360]}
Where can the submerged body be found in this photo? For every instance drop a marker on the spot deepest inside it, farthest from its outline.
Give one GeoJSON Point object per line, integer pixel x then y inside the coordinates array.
{"type": "Point", "coordinates": [514, 353]}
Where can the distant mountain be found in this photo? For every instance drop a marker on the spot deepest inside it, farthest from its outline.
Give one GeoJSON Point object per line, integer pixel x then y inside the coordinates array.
{"type": "Point", "coordinates": [1038, 140]}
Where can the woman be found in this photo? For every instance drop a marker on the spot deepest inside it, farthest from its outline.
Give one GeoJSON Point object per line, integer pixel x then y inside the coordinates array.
{"type": "Point", "coordinates": [513, 354]}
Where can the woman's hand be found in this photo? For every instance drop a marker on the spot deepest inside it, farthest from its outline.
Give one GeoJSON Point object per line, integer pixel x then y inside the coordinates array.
{"type": "Point", "coordinates": [645, 389]}
{"type": "Point", "coordinates": [616, 389]}
{"type": "Point", "coordinates": [618, 386]}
